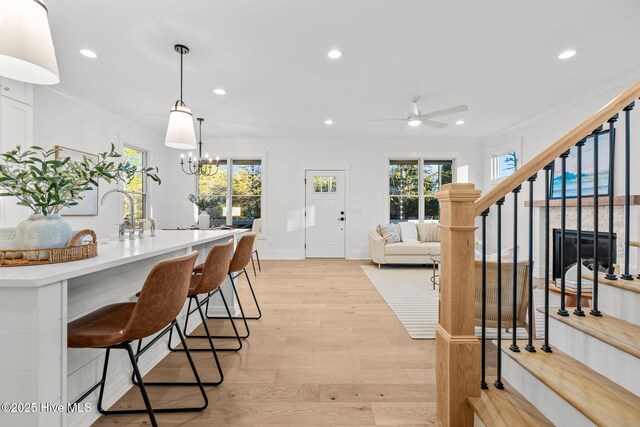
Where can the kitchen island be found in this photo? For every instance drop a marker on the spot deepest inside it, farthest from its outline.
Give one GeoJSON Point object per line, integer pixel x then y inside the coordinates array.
{"type": "Point", "coordinates": [39, 376]}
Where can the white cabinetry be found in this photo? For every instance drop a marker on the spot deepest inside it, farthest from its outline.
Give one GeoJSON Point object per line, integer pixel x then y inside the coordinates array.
{"type": "Point", "coordinates": [16, 128]}
{"type": "Point", "coordinates": [19, 91]}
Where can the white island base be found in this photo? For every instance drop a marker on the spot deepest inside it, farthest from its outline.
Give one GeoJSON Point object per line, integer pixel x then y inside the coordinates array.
{"type": "Point", "coordinates": [37, 372]}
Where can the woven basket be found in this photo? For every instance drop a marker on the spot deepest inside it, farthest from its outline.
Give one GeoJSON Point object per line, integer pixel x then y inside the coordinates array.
{"type": "Point", "coordinates": [73, 252]}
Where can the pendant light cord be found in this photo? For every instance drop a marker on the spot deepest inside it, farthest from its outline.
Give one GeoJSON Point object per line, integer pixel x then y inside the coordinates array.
{"type": "Point", "coordinates": [181, 56]}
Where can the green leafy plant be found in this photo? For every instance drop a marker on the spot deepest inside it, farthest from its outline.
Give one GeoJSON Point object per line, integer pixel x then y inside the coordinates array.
{"type": "Point", "coordinates": [45, 184]}
{"type": "Point", "coordinates": [203, 203]}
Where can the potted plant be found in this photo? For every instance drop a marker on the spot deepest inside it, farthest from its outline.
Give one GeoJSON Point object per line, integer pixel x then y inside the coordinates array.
{"type": "Point", "coordinates": [203, 204]}
{"type": "Point", "coordinates": [45, 185]}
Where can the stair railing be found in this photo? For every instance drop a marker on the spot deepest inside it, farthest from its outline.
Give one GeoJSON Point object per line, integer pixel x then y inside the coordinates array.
{"type": "Point", "coordinates": [504, 287]}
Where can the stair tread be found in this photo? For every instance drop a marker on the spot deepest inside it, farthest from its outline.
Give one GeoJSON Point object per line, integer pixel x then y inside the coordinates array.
{"type": "Point", "coordinates": [594, 395]}
{"type": "Point", "coordinates": [616, 332]}
{"type": "Point", "coordinates": [506, 408]}
{"type": "Point", "coordinates": [628, 285]}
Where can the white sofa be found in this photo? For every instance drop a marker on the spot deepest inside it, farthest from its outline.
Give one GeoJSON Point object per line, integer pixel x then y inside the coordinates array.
{"type": "Point", "coordinates": [402, 252]}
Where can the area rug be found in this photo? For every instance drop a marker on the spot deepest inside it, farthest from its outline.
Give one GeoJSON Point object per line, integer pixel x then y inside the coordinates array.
{"type": "Point", "coordinates": [408, 292]}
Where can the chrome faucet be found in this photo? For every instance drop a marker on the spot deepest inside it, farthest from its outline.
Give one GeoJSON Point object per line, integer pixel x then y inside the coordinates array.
{"type": "Point", "coordinates": [122, 228]}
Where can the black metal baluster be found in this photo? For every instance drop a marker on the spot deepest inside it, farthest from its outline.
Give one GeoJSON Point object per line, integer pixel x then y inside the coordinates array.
{"type": "Point", "coordinates": [611, 275]}
{"type": "Point", "coordinates": [547, 173]}
{"type": "Point", "coordinates": [483, 382]}
{"type": "Point", "coordinates": [562, 311]}
{"type": "Point", "coordinates": [578, 310]}
{"type": "Point", "coordinates": [514, 285]}
{"type": "Point", "coordinates": [596, 233]}
{"type": "Point", "coordinates": [529, 347]}
{"type": "Point", "coordinates": [498, 382]}
{"type": "Point", "coordinates": [627, 187]}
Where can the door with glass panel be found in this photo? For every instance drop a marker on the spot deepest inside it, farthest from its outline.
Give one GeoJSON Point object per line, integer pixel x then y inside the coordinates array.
{"type": "Point", "coordinates": [325, 214]}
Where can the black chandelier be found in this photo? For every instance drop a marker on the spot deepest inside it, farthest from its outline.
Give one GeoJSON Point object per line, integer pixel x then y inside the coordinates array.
{"type": "Point", "coordinates": [201, 166]}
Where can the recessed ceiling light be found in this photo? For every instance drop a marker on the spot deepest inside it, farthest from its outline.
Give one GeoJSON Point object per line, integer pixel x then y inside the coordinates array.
{"type": "Point", "coordinates": [414, 122]}
{"type": "Point", "coordinates": [334, 54]}
{"type": "Point", "coordinates": [567, 54]}
{"type": "Point", "coordinates": [88, 53]}
{"type": "Point", "coordinates": [460, 122]}
{"type": "Point", "coordinates": [328, 122]}
{"type": "Point", "coordinates": [219, 91]}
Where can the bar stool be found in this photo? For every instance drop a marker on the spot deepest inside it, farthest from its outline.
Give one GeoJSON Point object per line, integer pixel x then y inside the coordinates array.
{"type": "Point", "coordinates": [115, 326]}
{"type": "Point", "coordinates": [237, 267]}
{"type": "Point", "coordinates": [256, 228]}
{"type": "Point", "coordinates": [207, 280]}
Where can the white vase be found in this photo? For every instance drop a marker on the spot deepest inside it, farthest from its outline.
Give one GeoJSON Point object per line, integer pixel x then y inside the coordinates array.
{"type": "Point", "coordinates": [203, 220]}
{"type": "Point", "coordinates": [43, 231]}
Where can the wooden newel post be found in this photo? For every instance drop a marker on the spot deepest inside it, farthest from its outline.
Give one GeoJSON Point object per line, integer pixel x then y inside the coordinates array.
{"type": "Point", "coordinates": [457, 347]}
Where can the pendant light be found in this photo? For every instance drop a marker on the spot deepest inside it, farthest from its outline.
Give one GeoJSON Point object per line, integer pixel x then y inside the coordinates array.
{"type": "Point", "coordinates": [201, 166]}
{"type": "Point", "coordinates": [26, 47]}
{"type": "Point", "coordinates": [180, 132]}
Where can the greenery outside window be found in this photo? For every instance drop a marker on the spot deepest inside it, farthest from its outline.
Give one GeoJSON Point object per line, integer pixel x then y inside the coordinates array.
{"type": "Point", "coordinates": [237, 196]}
{"type": "Point", "coordinates": [413, 181]}
{"type": "Point", "coordinates": [137, 187]}
{"type": "Point", "coordinates": [503, 165]}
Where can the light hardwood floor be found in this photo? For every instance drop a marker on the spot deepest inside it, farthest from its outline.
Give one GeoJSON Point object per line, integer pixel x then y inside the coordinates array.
{"type": "Point", "coordinates": [327, 351]}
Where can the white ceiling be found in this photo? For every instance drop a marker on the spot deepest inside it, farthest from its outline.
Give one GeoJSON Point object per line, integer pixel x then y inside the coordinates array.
{"type": "Point", "coordinates": [497, 56]}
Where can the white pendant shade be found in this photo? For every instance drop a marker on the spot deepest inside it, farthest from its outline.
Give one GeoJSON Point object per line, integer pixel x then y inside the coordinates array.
{"type": "Point", "coordinates": [180, 132]}
{"type": "Point", "coordinates": [26, 47]}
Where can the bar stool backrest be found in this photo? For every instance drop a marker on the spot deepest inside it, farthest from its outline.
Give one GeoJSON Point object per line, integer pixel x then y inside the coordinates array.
{"type": "Point", "coordinates": [162, 297]}
{"type": "Point", "coordinates": [256, 228]}
{"type": "Point", "coordinates": [215, 269]}
{"type": "Point", "coordinates": [242, 255]}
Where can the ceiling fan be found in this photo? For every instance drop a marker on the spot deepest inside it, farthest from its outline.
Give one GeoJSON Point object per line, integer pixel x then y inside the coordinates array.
{"type": "Point", "coordinates": [416, 118]}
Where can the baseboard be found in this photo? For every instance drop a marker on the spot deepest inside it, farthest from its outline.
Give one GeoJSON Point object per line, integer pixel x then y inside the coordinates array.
{"type": "Point", "coordinates": [358, 254]}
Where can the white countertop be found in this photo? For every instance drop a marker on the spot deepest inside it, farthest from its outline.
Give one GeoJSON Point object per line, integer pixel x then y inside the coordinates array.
{"type": "Point", "coordinates": [111, 253]}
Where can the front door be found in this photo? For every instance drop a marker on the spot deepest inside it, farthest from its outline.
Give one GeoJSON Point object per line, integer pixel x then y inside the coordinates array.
{"type": "Point", "coordinates": [325, 219]}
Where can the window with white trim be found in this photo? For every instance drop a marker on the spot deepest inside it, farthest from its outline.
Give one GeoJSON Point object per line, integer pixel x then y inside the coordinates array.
{"type": "Point", "coordinates": [235, 192]}
{"type": "Point", "coordinates": [413, 185]}
{"type": "Point", "coordinates": [137, 187]}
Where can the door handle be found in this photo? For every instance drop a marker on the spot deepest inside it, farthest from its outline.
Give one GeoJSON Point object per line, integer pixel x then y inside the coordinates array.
{"type": "Point", "coordinates": [342, 218]}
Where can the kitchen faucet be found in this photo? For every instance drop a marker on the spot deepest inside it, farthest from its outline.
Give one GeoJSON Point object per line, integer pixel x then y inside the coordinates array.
{"type": "Point", "coordinates": [122, 228]}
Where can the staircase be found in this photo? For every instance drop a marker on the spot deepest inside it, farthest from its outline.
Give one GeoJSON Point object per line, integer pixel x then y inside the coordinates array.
{"type": "Point", "coordinates": [585, 369]}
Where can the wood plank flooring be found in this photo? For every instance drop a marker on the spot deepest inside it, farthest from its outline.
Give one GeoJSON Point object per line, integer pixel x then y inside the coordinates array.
{"type": "Point", "coordinates": [327, 351]}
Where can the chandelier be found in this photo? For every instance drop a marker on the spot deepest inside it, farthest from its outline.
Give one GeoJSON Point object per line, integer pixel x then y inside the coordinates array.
{"type": "Point", "coordinates": [201, 166]}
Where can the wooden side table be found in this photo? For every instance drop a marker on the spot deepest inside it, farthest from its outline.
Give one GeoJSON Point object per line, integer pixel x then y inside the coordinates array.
{"type": "Point", "coordinates": [571, 296]}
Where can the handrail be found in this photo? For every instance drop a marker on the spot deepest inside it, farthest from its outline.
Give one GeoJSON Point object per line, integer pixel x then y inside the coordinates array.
{"type": "Point", "coordinates": [554, 151]}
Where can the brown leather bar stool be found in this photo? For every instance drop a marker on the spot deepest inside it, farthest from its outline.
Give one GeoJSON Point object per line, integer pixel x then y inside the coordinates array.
{"type": "Point", "coordinates": [207, 282]}
{"type": "Point", "coordinates": [115, 326]}
{"type": "Point", "coordinates": [256, 228]}
{"type": "Point", "coordinates": [237, 267]}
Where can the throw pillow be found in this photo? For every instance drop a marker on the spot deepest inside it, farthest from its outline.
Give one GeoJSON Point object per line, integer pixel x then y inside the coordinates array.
{"type": "Point", "coordinates": [433, 232]}
{"type": "Point", "coordinates": [408, 232]}
{"type": "Point", "coordinates": [423, 231]}
{"type": "Point", "coordinates": [389, 233]}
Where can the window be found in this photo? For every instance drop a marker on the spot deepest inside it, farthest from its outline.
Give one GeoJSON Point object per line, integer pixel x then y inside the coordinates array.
{"type": "Point", "coordinates": [236, 196]}
{"type": "Point", "coordinates": [246, 192]}
{"type": "Point", "coordinates": [435, 175]}
{"type": "Point", "coordinates": [324, 184]}
{"type": "Point", "coordinates": [137, 187]}
{"type": "Point", "coordinates": [413, 185]}
{"type": "Point", "coordinates": [216, 187]}
{"type": "Point", "coordinates": [503, 165]}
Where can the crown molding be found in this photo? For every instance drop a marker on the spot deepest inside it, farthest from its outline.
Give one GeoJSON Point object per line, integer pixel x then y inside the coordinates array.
{"type": "Point", "coordinates": [623, 81]}
{"type": "Point", "coordinates": [101, 110]}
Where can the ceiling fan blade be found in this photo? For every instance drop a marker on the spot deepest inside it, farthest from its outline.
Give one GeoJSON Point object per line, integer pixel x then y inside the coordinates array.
{"type": "Point", "coordinates": [446, 111]}
{"type": "Point", "coordinates": [388, 120]}
{"type": "Point", "coordinates": [433, 123]}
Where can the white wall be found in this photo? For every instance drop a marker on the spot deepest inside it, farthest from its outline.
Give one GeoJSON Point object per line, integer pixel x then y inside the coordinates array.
{"type": "Point", "coordinates": [366, 163]}
{"type": "Point", "coordinates": [63, 119]}
{"type": "Point", "coordinates": [542, 131]}
{"type": "Point", "coordinates": [60, 119]}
